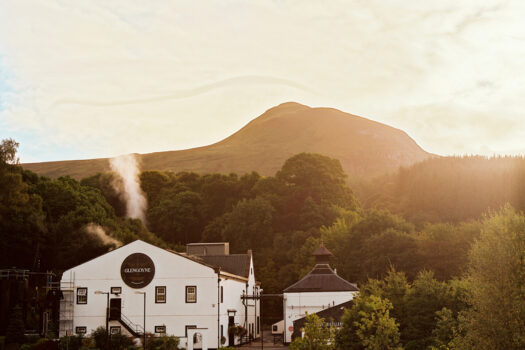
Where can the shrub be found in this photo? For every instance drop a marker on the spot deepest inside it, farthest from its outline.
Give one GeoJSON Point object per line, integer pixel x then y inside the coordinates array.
{"type": "Point", "coordinates": [164, 342]}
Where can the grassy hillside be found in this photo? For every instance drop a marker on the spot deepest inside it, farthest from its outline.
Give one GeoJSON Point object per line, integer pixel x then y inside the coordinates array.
{"type": "Point", "coordinates": [364, 147]}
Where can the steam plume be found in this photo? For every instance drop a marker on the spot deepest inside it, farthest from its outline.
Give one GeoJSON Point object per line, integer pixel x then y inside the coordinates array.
{"type": "Point", "coordinates": [126, 168]}
{"type": "Point", "coordinates": [99, 232]}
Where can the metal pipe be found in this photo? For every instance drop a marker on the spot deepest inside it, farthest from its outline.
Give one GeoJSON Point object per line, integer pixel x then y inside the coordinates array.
{"type": "Point", "coordinates": [144, 320]}
{"type": "Point", "coordinates": [218, 271]}
{"type": "Point", "coordinates": [107, 320]}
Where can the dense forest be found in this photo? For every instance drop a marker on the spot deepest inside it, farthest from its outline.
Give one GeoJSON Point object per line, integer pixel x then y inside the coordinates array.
{"type": "Point", "coordinates": [418, 243]}
{"type": "Point", "coordinates": [447, 189]}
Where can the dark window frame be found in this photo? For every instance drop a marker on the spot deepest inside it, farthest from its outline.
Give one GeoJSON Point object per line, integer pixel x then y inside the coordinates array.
{"type": "Point", "coordinates": [158, 329]}
{"type": "Point", "coordinates": [222, 294]}
{"type": "Point", "coordinates": [78, 296]}
{"type": "Point", "coordinates": [157, 300]}
{"type": "Point", "coordinates": [115, 330]}
{"type": "Point", "coordinates": [188, 327]}
{"type": "Point", "coordinates": [116, 290]}
{"type": "Point", "coordinates": [80, 330]}
{"type": "Point", "coordinates": [191, 302]}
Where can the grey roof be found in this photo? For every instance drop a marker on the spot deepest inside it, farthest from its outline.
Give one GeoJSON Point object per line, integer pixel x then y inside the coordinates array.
{"type": "Point", "coordinates": [237, 264]}
{"type": "Point", "coordinates": [322, 251]}
{"type": "Point", "coordinates": [321, 279]}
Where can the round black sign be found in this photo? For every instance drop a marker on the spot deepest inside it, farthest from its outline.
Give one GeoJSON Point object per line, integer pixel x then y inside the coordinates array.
{"type": "Point", "coordinates": [137, 270]}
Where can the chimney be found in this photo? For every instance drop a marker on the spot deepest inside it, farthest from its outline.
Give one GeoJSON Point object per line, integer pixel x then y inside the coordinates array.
{"type": "Point", "coordinates": [203, 249]}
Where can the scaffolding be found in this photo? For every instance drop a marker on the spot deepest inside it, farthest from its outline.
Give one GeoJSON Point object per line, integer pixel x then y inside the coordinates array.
{"type": "Point", "coordinates": [67, 304]}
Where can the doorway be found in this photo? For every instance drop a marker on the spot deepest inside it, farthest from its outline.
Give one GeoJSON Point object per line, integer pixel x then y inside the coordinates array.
{"type": "Point", "coordinates": [115, 309]}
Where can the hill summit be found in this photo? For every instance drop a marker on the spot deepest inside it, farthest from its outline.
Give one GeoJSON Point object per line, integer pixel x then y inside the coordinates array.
{"type": "Point", "coordinates": [364, 147]}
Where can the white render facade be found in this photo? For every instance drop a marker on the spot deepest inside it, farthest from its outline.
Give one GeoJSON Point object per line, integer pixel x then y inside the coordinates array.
{"type": "Point", "coordinates": [296, 305]}
{"type": "Point", "coordinates": [184, 295]}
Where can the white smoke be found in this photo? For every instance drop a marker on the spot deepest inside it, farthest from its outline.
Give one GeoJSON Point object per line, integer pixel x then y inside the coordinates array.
{"type": "Point", "coordinates": [99, 232]}
{"type": "Point", "coordinates": [128, 185]}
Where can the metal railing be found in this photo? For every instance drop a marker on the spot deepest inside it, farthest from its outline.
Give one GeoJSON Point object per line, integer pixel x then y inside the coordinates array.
{"type": "Point", "coordinates": [137, 328]}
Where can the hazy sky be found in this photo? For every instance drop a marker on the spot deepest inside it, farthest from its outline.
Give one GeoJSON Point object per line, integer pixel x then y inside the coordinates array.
{"type": "Point", "coordinates": [83, 79]}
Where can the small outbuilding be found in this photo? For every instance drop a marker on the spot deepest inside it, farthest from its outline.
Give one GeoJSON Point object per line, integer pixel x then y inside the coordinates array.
{"type": "Point", "coordinates": [319, 290]}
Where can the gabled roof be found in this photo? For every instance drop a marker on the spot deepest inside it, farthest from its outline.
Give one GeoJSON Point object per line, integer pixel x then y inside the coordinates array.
{"type": "Point", "coordinates": [237, 264]}
{"type": "Point", "coordinates": [321, 279]}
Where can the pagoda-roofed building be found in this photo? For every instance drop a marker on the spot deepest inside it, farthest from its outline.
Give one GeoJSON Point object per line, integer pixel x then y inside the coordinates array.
{"type": "Point", "coordinates": [320, 289]}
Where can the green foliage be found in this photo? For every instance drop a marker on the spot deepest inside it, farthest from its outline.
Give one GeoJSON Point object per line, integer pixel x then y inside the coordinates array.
{"type": "Point", "coordinates": [368, 325]}
{"type": "Point", "coordinates": [451, 189]}
{"type": "Point", "coordinates": [21, 218]}
{"type": "Point", "coordinates": [8, 149]}
{"type": "Point", "coordinates": [317, 335]}
{"type": "Point", "coordinates": [71, 343]}
{"type": "Point", "coordinates": [16, 328]}
{"type": "Point", "coordinates": [177, 217]}
{"type": "Point", "coordinates": [496, 318]}
{"type": "Point", "coordinates": [44, 223]}
{"type": "Point", "coordinates": [164, 342]}
{"type": "Point", "coordinates": [249, 224]}
{"type": "Point", "coordinates": [418, 306]}
{"type": "Point", "coordinates": [106, 184]}
{"type": "Point", "coordinates": [100, 337]}
{"type": "Point", "coordinates": [123, 342]}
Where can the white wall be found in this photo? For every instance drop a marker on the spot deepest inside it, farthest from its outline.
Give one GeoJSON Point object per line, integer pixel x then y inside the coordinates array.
{"type": "Point", "coordinates": [171, 270]}
{"type": "Point", "coordinates": [296, 305]}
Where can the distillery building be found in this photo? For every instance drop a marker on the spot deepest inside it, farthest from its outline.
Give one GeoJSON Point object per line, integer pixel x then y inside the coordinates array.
{"type": "Point", "coordinates": [207, 297]}
{"type": "Point", "coordinates": [319, 290]}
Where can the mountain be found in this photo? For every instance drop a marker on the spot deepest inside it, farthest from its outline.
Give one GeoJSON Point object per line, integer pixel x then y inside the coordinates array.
{"type": "Point", "coordinates": [364, 147]}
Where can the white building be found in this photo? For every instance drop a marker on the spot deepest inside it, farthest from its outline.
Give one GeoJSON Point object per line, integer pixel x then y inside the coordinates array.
{"type": "Point", "coordinates": [197, 296]}
{"type": "Point", "coordinates": [320, 289]}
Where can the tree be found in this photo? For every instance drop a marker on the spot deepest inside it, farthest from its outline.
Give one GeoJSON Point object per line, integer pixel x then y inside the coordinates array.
{"type": "Point", "coordinates": [426, 297]}
{"type": "Point", "coordinates": [249, 224]}
{"type": "Point", "coordinates": [317, 335]}
{"type": "Point", "coordinates": [368, 325]}
{"type": "Point", "coordinates": [16, 328]}
{"type": "Point", "coordinates": [177, 218]}
{"type": "Point", "coordinates": [21, 217]}
{"type": "Point", "coordinates": [8, 149]}
{"type": "Point", "coordinates": [496, 319]}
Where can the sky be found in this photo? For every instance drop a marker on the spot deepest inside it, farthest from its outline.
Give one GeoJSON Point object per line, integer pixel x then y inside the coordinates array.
{"type": "Point", "coordinates": [87, 79]}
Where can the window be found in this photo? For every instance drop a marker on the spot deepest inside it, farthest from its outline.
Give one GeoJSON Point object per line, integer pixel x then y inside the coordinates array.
{"type": "Point", "coordinates": [114, 330]}
{"type": "Point", "coordinates": [160, 329]}
{"type": "Point", "coordinates": [116, 290]}
{"type": "Point", "coordinates": [222, 331]}
{"type": "Point", "coordinates": [274, 328]}
{"type": "Point", "coordinates": [81, 295]}
{"type": "Point", "coordinates": [222, 294]}
{"type": "Point", "coordinates": [257, 324]}
{"type": "Point", "coordinates": [191, 294]}
{"type": "Point", "coordinates": [186, 330]}
{"type": "Point", "coordinates": [81, 330]}
{"type": "Point", "coordinates": [160, 295]}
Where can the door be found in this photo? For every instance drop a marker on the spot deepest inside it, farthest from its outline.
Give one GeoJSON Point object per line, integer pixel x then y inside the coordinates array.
{"type": "Point", "coordinates": [231, 334]}
{"type": "Point", "coordinates": [115, 306]}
